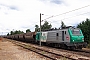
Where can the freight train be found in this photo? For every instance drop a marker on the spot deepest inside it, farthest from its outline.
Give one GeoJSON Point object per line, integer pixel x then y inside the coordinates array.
{"type": "Point", "coordinates": [71, 38]}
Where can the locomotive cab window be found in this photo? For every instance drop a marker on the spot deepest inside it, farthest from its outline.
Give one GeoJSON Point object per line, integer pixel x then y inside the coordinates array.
{"type": "Point", "coordinates": [65, 32]}
{"type": "Point", "coordinates": [57, 34]}
{"type": "Point", "coordinates": [62, 35]}
{"type": "Point", "coordinates": [76, 32]}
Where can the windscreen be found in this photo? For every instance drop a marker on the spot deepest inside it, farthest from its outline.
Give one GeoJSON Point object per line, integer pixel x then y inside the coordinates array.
{"type": "Point", "coordinates": [76, 32]}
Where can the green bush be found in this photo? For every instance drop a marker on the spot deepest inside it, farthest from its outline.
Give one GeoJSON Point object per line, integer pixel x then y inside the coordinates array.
{"type": "Point", "coordinates": [88, 46]}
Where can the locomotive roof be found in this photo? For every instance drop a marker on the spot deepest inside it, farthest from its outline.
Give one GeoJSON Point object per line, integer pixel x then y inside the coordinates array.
{"type": "Point", "coordinates": [60, 29]}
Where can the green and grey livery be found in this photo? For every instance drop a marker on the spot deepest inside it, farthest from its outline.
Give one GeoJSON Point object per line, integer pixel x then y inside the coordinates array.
{"type": "Point", "coordinates": [69, 37]}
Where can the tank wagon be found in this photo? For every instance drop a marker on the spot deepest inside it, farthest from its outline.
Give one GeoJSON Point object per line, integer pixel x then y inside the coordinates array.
{"type": "Point", "coordinates": [29, 37]}
{"type": "Point", "coordinates": [21, 37]}
{"type": "Point", "coordinates": [26, 37]}
{"type": "Point", "coordinates": [70, 37]}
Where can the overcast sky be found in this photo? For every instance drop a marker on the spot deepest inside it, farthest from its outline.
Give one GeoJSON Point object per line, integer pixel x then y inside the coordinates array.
{"type": "Point", "coordinates": [25, 14]}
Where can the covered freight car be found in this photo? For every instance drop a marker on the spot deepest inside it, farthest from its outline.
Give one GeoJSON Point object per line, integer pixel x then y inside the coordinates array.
{"type": "Point", "coordinates": [16, 36]}
{"type": "Point", "coordinates": [29, 37]}
{"type": "Point", "coordinates": [21, 37]}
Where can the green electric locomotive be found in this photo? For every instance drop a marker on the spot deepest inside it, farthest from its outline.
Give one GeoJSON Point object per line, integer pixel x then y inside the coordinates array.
{"type": "Point", "coordinates": [70, 37]}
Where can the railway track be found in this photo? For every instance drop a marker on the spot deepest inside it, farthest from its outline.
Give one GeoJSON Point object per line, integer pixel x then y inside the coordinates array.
{"type": "Point", "coordinates": [45, 53]}
{"type": "Point", "coordinates": [85, 51]}
{"type": "Point", "coordinates": [53, 55]}
{"type": "Point", "coordinates": [82, 52]}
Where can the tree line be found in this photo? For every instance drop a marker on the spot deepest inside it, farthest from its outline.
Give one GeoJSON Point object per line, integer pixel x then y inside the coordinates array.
{"type": "Point", "coordinates": [85, 27]}
{"type": "Point", "coordinates": [47, 26]}
{"type": "Point", "coordinates": [17, 32]}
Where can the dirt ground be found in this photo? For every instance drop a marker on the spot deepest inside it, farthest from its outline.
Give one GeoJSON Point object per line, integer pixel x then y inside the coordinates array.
{"type": "Point", "coordinates": [9, 51]}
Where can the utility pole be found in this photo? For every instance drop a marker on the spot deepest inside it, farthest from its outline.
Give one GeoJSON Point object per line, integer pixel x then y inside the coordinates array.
{"type": "Point", "coordinates": [40, 29]}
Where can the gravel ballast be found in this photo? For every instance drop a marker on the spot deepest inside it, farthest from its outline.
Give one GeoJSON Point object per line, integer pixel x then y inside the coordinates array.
{"type": "Point", "coordinates": [9, 51]}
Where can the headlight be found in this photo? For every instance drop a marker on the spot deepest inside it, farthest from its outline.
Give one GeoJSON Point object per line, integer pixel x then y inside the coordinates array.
{"type": "Point", "coordinates": [82, 39]}
{"type": "Point", "coordinates": [73, 40]}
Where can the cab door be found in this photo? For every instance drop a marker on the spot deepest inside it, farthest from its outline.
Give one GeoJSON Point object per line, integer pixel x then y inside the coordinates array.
{"type": "Point", "coordinates": [62, 35]}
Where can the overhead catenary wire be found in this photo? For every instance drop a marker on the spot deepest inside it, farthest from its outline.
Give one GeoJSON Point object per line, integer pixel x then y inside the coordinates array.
{"type": "Point", "coordinates": [71, 16]}
{"type": "Point", "coordinates": [66, 12]}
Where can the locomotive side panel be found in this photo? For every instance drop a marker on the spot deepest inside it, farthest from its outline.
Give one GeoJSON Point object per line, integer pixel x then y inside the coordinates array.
{"type": "Point", "coordinates": [43, 36]}
{"type": "Point", "coordinates": [65, 35]}
{"type": "Point", "coordinates": [58, 36]}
